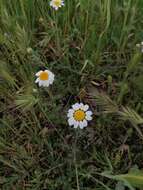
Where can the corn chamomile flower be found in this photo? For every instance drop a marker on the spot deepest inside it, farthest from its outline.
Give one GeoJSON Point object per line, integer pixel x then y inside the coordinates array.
{"type": "Point", "coordinates": [56, 4]}
{"type": "Point", "coordinates": [45, 78]}
{"type": "Point", "coordinates": [140, 47]}
{"type": "Point", "coordinates": [79, 115]}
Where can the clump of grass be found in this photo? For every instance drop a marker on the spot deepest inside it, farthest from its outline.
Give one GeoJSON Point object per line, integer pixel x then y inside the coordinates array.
{"type": "Point", "coordinates": [90, 46]}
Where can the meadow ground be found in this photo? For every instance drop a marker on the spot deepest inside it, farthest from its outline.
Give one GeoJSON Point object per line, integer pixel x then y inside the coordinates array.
{"type": "Point", "coordinates": [90, 46]}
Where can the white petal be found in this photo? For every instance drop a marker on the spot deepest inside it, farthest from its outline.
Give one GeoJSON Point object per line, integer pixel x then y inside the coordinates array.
{"type": "Point", "coordinates": [71, 121]}
{"type": "Point", "coordinates": [85, 107]}
{"type": "Point", "coordinates": [55, 7]}
{"type": "Point", "coordinates": [84, 123]}
{"type": "Point", "coordinates": [50, 73]}
{"type": "Point", "coordinates": [88, 117]}
{"type": "Point", "coordinates": [81, 125]}
{"type": "Point", "coordinates": [52, 76]}
{"type": "Point", "coordinates": [40, 83]}
{"type": "Point", "coordinates": [37, 80]}
{"type": "Point", "coordinates": [89, 113]}
{"type": "Point", "coordinates": [50, 81]}
{"type": "Point", "coordinates": [76, 124]}
{"type": "Point", "coordinates": [47, 71]}
{"type": "Point", "coordinates": [46, 83]}
{"type": "Point", "coordinates": [70, 113]}
{"type": "Point", "coordinates": [38, 73]}
{"type": "Point", "coordinates": [81, 105]}
{"type": "Point", "coordinates": [76, 106]}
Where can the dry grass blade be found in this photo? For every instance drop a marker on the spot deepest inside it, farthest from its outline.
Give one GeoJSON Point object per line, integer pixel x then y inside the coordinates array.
{"type": "Point", "coordinates": [107, 105]}
{"type": "Point", "coordinates": [131, 115]}
{"type": "Point", "coordinates": [26, 102]}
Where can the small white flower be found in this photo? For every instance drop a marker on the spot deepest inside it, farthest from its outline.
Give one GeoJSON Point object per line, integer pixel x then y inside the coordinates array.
{"type": "Point", "coordinates": [56, 4]}
{"type": "Point", "coordinates": [41, 20]}
{"type": "Point", "coordinates": [45, 78]}
{"type": "Point", "coordinates": [79, 115]}
{"type": "Point", "coordinates": [29, 50]}
{"type": "Point", "coordinates": [140, 47]}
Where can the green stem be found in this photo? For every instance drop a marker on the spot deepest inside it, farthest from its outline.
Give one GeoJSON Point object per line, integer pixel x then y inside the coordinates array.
{"type": "Point", "coordinates": [75, 160]}
{"type": "Point", "coordinates": [57, 32]}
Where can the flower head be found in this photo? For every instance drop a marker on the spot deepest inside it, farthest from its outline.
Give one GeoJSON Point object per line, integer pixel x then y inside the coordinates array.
{"type": "Point", "coordinates": [29, 50]}
{"type": "Point", "coordinates": [45, 78]}
{"type": "Point", "coordinates": [56, 4]}
{"type": "Point", "coordinates": [41, 20]}
{"type": "Point", "coordinates": [140, 47]}
{"type": "Point", "coordinates": [79, 115]}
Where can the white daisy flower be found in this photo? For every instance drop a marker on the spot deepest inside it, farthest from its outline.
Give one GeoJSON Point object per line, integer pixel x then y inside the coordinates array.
{"type": "Point", "coordinates": [45, 78]}
{"type": "Point", "coordinates": [140, 47]}
{"type": "Point", "coordinates": [79, 115]}
{"type": "Point", "coordinates": [56, 4]}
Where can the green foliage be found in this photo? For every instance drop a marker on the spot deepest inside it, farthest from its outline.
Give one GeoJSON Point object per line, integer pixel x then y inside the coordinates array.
{"type": "Point", "coordinates": [108, 106]}
{"type": "Point", "coordinates": [133, 179]}
{"type": "Point", "coordinates": [84, 43]}
{"type": "Point", "coordinates": [25, 101]}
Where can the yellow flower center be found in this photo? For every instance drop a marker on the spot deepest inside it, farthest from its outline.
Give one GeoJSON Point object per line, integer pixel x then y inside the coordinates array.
{"type": "Point", "coordinates": [57, 3]}
{"type": "Point", "coordinates": [79, 115]}
{"type": "Point", "coordinates": [44, 76]}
